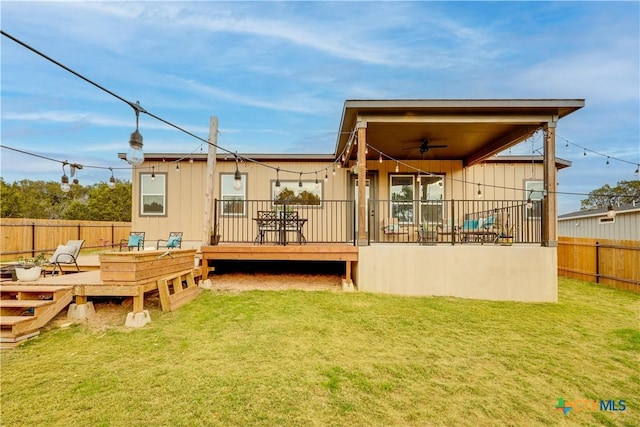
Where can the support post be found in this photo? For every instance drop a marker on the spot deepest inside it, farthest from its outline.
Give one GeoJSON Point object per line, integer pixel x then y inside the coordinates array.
{"type": "Point", "coordinates": [362, 183]}
{"type": "Point", "coordinates": [549, 204]}
{"type": "Point", "coordinates": [208, 219]}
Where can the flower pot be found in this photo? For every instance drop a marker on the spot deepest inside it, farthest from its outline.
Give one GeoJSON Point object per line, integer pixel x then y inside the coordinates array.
{"type": "Point", "coordinates": [214, 240]}
{"type": "Point", "coordinates": [506, 241]}
{"type": "Point", "coordinates": [28, 274]}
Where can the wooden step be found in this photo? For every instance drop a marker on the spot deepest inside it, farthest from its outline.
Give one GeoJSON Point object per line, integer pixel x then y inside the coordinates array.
{"type": "Point", "coordinates": [14, 320]}
{"type": "Point", "coordinates": [32, 288]}
{"type": "Point", "coordinates": [24, 303]}
{"type": "Point", "coordinates": [17, 328]}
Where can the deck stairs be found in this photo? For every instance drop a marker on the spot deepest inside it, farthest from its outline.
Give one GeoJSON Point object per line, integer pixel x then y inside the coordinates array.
{"type": "Point", "coordinates": [25, 309]}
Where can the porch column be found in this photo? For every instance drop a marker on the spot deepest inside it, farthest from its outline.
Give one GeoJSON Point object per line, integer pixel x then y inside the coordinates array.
{"type": "Point", "coordinates": [549, 202]}
{"type": "Point", "coordinates": [362, 183]}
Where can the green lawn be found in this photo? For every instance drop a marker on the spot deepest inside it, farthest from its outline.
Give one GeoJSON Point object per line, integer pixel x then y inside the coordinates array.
{"type": "Point", "coordinates": [327, 358]}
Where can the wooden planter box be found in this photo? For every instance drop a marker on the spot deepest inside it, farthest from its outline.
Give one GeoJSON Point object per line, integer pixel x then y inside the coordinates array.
{"type": "Point", "coordinates": [144, 266]}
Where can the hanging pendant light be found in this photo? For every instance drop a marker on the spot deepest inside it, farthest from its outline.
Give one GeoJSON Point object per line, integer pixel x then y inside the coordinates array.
{"type": "Point", "coordinates": [112, 181]}
{"type": "Point", "coordinates": [64, 181]}
{"type": "Point", "coordinates": [135, 156]}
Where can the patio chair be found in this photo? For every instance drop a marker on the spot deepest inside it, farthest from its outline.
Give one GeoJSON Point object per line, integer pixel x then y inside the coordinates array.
{"type": "Point", "coordinates": [65, 254]}
{"type": "Point", "coordinates": [266, 221]}
{"type": "Point", "coordinates": [136, 240]}
{"type": "Point", "coordinates": [481, 229]}
{"type": "Point", "coordinates": [292, 222]}
{"type": "Point", "coordinates": [173, 242]}
{"type": "Point", "coordinates": [393, 229]}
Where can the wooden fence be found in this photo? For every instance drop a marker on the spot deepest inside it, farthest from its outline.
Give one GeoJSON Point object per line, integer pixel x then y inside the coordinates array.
{"type": "Point", "coordinates": [614, 263]}
{"type": "Point", "coordinates": [29, 237]}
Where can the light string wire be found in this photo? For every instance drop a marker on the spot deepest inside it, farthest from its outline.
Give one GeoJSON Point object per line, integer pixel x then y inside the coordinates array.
{"type": "Point", "coordinates": [352, 138]}
{"type": "Point", "coordinates": [136, 107]}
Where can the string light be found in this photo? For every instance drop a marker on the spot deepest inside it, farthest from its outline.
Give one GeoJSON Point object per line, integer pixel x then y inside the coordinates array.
{"type": "Point", "coordinates": [479, 192]}
{"type": "Point", "coordinates": [300, 180]}
{"type": "Point", "coordinates": [112, 181]}
{"type": "Point", "coordinates": [137, 143]}
{"type": "Point", "coordinates": [135, 156]}
{"type": "Point", "coordinates": [178, 166]}
{"type": "Point", "coordinates": [397, 167]}
{"type": "Point", "coordinates": [326, 176]}
{"type": "Point", "coordinates": [380, 158]}
{"type": "Point", "coordinates": [317, 183]}
{"type": "Point", "coordinates": [278, 178]}
{"type": "Point", "coordinates": [333, 172]}
{"type": "Point", "coordinates": [607, 161]}
{"type": "Point", "coordinates": [153, 173]}
{"type": "Point", "coordinates": [64, 181]}
{"type": "Point", "coordinates": [637, 171]}
{"type": "Point", "coordinates": [237, 178]}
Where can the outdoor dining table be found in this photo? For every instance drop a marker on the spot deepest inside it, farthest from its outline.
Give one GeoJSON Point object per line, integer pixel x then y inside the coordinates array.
{"type": "Point", "coordinates": [281, 225]}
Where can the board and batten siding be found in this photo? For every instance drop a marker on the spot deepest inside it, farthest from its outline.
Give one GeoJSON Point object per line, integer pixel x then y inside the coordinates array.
{"type": "Point", "coordinates": [626, 226]}
{"type": "Point", "coordinates": [186, 192]}
{"type": "Point", "coordinates": [186, 187]}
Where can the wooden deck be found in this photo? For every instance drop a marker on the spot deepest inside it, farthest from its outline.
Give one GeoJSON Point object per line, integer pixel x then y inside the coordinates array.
{"type": "Point", "coordinates": [293, 252]}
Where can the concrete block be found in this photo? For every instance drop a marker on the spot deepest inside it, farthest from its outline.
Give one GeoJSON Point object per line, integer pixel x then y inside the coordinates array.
{"type": "Point", "coordinates": [81, 311]}
{"type": "Point", "coordinates": [137, 320]}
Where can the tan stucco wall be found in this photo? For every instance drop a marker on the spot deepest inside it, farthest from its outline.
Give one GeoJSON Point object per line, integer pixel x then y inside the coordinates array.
{"type": "Point", "coordinates": [489, 272]}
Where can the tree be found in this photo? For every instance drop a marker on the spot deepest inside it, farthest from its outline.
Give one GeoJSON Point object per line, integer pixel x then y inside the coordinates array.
{"type": "Point", "coordinates": [40, 199]}
{"type": "Point", "coordinates": [625, 192]}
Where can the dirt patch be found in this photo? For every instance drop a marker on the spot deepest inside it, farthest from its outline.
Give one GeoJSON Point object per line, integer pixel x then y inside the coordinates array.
{"type": "Point", "coordinates": [112, 312]}
{"type": "Point", "coordinates": [275, 282]}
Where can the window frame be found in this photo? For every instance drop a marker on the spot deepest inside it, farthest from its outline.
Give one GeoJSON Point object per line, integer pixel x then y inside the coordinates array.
{"type": "Point", "coordinates": [309, 186]}
{"type": "Point", "coordinates": [159, 178]}
{"type": "Point", "coordinates": [240, 199]}
{"type": "Point", "coordinates": [406, 205]}
{"type": "Point", "coordinates": [528, 193]}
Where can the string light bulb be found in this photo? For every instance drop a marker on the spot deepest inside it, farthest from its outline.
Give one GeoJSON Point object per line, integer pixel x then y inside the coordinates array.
{"type": "Point", "coordinates": [479, 192]}
{"type": "Point", "coordinates": [64, 181]}
{"type": "Point", "coordinates": [326, 176]}
{"type": "Point", "coordinates": [178, 166]}
{"type": "Point", "coordinates": [317, 183]}
{"type": "Point", "coordinates": [112, 181]}
{"type": "Point", "coordinates": [397, 167]}
{"type": "Point", "coordinates": [135, 155]}
{"type": "Point", "coordinates": [300, 180]}
{"type": "Point", "coordinates": [278, 179]}
{"type": "Point", "coordinates": [333, 172]}
{"type": "Point", "coordinates": [153, 173]}
{"type": "Point", "coordinates": [637, 171]}
{"type": "Point", "coordinates": [608, 163]}
{"type": "Point", "coordinates": [584, 153]}
{"type": "Point", "coordinates": [237, 178]}
{"type": "Point", "coordinates": [380, 158]}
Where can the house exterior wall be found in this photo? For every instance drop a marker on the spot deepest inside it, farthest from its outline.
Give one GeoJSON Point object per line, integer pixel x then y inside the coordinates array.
{"type": "Point", "coordinates": [524, 273]}
{"type": "Point", "coordinates": [186, 187]}
{"type": "Point", "coordinates": [626, 226]}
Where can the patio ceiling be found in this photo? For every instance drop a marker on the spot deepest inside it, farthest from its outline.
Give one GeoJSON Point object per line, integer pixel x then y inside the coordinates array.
{"type": "Point", "coordinates": [472, 130]}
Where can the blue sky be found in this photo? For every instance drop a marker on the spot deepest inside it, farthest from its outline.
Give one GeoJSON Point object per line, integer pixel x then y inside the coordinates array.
{"type": "Point", "coordinates": [276, 74]}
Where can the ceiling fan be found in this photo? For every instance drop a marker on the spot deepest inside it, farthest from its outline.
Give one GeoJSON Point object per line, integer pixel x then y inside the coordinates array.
{"type": "Point", "coordinates": [425, 146]}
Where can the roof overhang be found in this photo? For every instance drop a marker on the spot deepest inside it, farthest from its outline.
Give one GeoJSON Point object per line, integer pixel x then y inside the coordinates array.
{"type": "Point", "coordinates": [472, 130]}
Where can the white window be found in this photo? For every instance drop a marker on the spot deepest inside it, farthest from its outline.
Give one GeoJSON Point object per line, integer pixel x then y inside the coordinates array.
{"type": "Point", "coordinates": [534, 191]}
{"type": "Point", "coordinates": [401, 196]}
{"type": "Point", "coordinates": [153, 194]}
{"type": "Point", "coordinates": [233, 198]}
{"type": "Point", "coordinates": [431, 199]}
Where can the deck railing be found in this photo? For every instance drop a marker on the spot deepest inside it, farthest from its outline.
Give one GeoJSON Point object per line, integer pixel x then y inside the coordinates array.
{"type": "Point", "coordinates": [455, 221]}
{"type": "Point", "coordinates": [389, 221]}
{"type": "Point", "coordinates": [329, 221]}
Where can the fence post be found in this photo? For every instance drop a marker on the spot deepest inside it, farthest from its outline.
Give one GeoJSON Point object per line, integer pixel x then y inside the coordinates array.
{"type": "Point", "coordinates": [597, 262]}
{"type": "Point", "coordinates": [113, 235]}
{"type": "Point", "coordinates": [33, 239]}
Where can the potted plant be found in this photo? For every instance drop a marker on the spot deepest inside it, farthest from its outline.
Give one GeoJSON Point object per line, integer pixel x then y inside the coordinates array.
{"type": "Point", "coordinates": [505, 235]}
{"type": "Point", "coordinates": [29, 269]}
{"type": "Point", "coordinates": [428, 233]}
